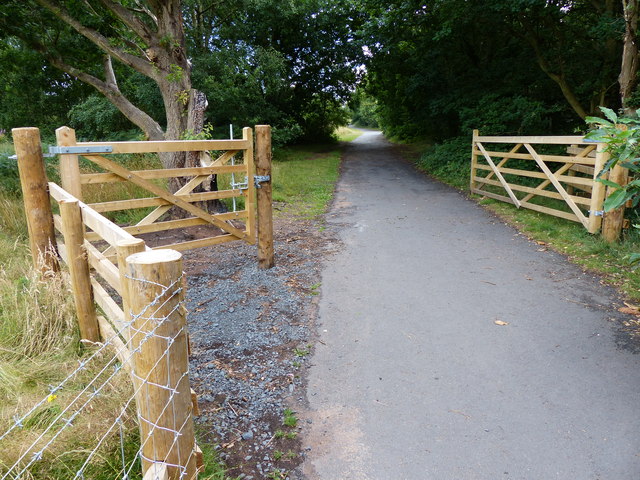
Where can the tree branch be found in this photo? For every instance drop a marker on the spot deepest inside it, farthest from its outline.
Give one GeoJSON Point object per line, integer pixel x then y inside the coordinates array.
{"type": "Point", "coordinates": [111, 91]}
{"type": "Point", "coordinates": [559, 78]}
{"type": "Point", "coordinates": [130, 20]}
{"type": "Point", "coordinates": [102, 42]}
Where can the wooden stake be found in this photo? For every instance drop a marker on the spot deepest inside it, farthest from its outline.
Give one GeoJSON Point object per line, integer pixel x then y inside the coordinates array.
{"type": "Point", "coordinates": [159, 338]}
{"type": "Point", "coordinates": [73, 231]}
{"type": "Point", "coordinates": [598, 192]}
{"type": "Point", "coordinates": [265, 214]}
{"type": "Point", "coordinates": [35, 192]}
{"type": "Point", "coordinates": [614, 220]}
{"type": "Point", "coordinates": [69, 167]}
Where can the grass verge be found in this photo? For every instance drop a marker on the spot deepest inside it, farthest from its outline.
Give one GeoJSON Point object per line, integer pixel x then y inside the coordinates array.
{"type": "Point", "coordinates": [304, 178]}
{"type": "Point", "coordinates": [449, 162]}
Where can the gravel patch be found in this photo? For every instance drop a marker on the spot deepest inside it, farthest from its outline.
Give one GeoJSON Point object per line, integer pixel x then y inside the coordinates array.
{"type": "Point", "coordinates": [252, 333]}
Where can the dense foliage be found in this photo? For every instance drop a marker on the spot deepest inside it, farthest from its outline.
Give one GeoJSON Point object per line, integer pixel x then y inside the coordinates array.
{"type": "Point", "coordinates": [433, 69]}
{"type": "Point", "coordinates": [442, 68]}
{"type": "Point", "coordinates": [288, 64]}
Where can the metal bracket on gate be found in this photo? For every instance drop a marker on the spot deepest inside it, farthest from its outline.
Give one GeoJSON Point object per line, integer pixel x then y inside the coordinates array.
{"type": "Point", "coordinates": [258, 179]}
{"type": "Point", "coordinates": [597, 213]}
{"type": "Point", "coordinates": [80, 150]}
{"type": "Point", "coordinates": [241, 185]}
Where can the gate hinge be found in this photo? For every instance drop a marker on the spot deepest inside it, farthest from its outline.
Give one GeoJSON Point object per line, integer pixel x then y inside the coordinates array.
{"type": "Point", "coordinates": [258, 179]}
{"type": "Point", "coordinates": [80, 150]}
{"type": "Point", "coordinates": [597, 213]}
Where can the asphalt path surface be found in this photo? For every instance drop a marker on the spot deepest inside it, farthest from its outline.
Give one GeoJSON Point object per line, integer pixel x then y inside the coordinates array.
{"type": "Point", "coordinates": [412, 377]}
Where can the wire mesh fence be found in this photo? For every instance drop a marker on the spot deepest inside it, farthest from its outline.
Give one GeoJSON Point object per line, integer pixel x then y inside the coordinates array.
{"type": "Point", "coordinates": [126, 408]}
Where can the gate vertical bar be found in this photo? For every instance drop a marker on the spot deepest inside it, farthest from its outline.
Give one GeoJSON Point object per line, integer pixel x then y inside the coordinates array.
{"type": "Point", "coordinates": [265, 214]}
{"type": "Point", "coordinates": [35, 193]}
{"type": "Point", "coordinates": [474, 160]}
{"type": "Point", "coordinates": [598, 192]}
{"type": "Point", "coordinates": [73, 231]}
{"type": "Point", "coordinates": [250, 198]}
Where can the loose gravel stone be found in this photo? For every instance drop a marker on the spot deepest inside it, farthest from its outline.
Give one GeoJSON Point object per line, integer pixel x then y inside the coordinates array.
{"type": "Point", "coordinates": [245, 325]}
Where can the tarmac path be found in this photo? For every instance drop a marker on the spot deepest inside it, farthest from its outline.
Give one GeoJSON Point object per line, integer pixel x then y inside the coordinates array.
{"type": "Point", "coordinates": [413, 379]}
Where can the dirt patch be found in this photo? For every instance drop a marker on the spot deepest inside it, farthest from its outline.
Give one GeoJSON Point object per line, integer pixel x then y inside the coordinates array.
{"type": "Point", "coordinates": [252, 333]}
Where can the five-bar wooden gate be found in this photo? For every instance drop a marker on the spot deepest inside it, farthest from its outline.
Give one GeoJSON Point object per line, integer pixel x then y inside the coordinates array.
{"type": "Point", "coordinates": [552, 175]}
{"type": "Point", "coordinates": [240, 152]}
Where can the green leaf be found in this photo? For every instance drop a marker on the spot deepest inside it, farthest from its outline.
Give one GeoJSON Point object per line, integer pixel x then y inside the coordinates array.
{"type": "Point", "coordinates": [609, 183]}
{"type": "Point", "coordinates": [616, 200]}
{"type": "Point", "coordinates": [610, 114]}
{"type": "Point", "coordinates": [599, 121]}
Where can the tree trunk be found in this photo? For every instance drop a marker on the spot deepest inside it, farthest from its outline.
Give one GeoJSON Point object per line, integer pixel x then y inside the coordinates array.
{"type": "Point", "coordinates": [629, 69]}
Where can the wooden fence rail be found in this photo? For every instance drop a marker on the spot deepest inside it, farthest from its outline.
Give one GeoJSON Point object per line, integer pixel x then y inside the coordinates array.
{"type": "Point", "coordinates": [110, 267]}
{"type": "Point", "coordinates": [527, 173]}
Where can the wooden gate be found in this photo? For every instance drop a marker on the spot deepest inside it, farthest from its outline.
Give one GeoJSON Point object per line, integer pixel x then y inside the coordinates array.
{"type": "Point", "coordinates": [552, 175]}
{"type": "Point", "coordinates": [235, 157]}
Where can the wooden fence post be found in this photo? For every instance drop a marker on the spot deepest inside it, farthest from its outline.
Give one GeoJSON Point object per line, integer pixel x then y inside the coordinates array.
{"type": "Point", "coordinates": [614, 220]}
{"type": "Point", "coordinates": [265, 214]}
{"type": "Point", "coordinates": [598, 192]}
{"type": "Point", "coordinates": [73, 232]}
{"type": "Point", "coordinates": [69, 167]}
{"type": "Point", "coordinates": [474, 160]}
{"type": "Point", "coordinates": [159, 340]}
{"type": "Point", "coordinates": [35, 193]}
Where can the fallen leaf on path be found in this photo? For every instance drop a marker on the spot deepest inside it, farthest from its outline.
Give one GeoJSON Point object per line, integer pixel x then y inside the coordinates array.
{"type": "Point", "coordinates": [501, 323]}
{"type": "Point", "coordinates": [629, 311]}
{"type": "Point", "coordinates": [541, 243]}
{"type": "Point", "coordinates": [632, 306]}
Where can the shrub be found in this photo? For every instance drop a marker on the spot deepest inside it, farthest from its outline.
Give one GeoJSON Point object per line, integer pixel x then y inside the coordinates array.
{"type": "Point", "coordinates": [448, 161]}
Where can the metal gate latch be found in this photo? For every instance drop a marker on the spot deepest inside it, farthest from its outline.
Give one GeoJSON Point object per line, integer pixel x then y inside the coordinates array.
{"type": "Point", "coordinates": [597, 213]}
{"type": "Point", "coordinates": [258, 179]}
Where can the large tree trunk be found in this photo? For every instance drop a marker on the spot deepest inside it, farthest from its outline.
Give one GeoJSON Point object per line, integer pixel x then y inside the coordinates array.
{"type": "Point", "coordinates": [628, 78]}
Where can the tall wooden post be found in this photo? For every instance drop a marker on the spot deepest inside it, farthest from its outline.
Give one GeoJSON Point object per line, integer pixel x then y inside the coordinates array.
{"type": "Point", "coordinates": [69, 166]}
{"type": "Point", "coordinates": [598, 192]}
{"type": "Point", "coordinates": [73, 231]}
{"type": "Point", "coordinates": [474, 161]}
{"type": "Point", "coordinates": [159, 340]}
{"type": "Point", "coordinates": [265, 214]}
{"type": "Point", "coordinates": [35, 193]}
{"type": "Point", "coordinates": [614, 220]}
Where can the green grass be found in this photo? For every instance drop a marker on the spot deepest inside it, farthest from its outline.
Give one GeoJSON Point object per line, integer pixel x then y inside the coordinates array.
{"type": "Point", "coordinates": [304, 179]}
{"type": "Point", "coordinates": [346, 134]}
{"type": "Point", "coordinates": [290, 420]}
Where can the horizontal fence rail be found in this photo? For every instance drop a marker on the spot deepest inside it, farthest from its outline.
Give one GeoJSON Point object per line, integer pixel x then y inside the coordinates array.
{"type": "Point", "coordinates": [551, 175]}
